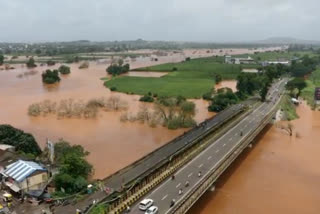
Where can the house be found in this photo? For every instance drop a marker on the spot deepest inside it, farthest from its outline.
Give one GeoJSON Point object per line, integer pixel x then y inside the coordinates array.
{"type": "Point", "coordinates": [23, 176]}
{"type": "Point", "coordinates": [230, 60]}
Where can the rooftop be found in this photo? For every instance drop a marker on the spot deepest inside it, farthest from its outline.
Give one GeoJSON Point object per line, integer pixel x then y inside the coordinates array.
{"type": "Point", "coordinates": [20, 169]}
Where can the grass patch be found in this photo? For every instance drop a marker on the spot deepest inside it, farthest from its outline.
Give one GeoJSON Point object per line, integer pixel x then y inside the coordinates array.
{"type": "Point", "coordinates": [289, 108]}
{"type": "Point", "coordinates": [191, 79]}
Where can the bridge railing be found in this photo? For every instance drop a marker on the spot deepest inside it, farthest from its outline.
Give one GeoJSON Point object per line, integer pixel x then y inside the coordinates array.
{"type": "Point", "coordinates": [207, 181]}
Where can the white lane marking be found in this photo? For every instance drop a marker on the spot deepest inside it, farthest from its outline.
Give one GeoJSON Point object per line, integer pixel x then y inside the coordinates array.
{"type": "Point", "coordinates": [190, 174]}
{"type": "Point", "coordinates": [164, 197]}
{"type": "Point", "coordinates": [206, 149]}
{"type": "Point", "coordinates": [224, 145]}
{"type": "Point", "coordinates": [209, 157]}
{"type": "Point", "coordinates": [217, 151]}
{"type": "Point", "coordinates": [200, 165]}
{"type": "Point", "coordinates": [178, 185]}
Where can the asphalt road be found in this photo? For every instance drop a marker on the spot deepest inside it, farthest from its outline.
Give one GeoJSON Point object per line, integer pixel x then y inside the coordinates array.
{"type": "Point", "coordinates": [211, 157]}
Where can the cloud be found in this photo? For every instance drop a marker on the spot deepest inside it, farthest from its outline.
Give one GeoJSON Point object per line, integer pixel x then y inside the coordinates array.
{"type": "Point", "coordinates": [202, 20]}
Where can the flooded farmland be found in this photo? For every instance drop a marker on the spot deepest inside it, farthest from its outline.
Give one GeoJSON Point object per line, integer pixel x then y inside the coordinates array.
{"type": "Point", "coordinates": [280, 174]}
{"type": "Point", "coordinates": [112, 144]}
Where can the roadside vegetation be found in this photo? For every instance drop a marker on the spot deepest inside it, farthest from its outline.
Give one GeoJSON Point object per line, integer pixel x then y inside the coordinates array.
{"type": "Point", "coordinates": [23, 142]}
{"type": "Point", "coordinates": [288, 108]}
{"type": "Point", "coordinates": [312, 82]}
{"type": "Point", "coordinates": [74, 170]}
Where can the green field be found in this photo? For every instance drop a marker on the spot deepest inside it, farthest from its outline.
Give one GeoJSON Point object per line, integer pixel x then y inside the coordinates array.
{"type": "Point", "coordinates": [191, 80]}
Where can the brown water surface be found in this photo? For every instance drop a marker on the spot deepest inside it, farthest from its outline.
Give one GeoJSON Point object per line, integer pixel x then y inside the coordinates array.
{"type": "Point", "coordinates": [112, 144]}
{"type": "Point", "coordinates": [280, 174]}
{"type": "Point", "coordinates": [227, 83]}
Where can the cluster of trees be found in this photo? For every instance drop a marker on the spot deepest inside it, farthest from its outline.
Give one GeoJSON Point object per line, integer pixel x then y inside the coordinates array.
{"type": "Point", "coordinates": [295, 86]}
{"type": "Point", "coordinates": [224, 98]}
{"type": "Point", "coordinates": [118, 68]}
{"type": "Point", "coordinates": [23, 142]}
{"type": "Point", "coordinates": [50, 77]}
{"type": "Point", "coordinates": [175, 112]}
{"type": "Point", "coordinates": [31, 63]}
{"type": "Point", "coordinates": [1, 59]}
{"type": "Point", "coordinates": [74, 170]}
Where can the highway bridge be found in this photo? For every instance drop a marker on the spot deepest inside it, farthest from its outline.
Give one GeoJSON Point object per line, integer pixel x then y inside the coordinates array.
{"type": "Point", "coordinates": [208, 148]}
{"type": "Point", "coordinates": [211, 162]}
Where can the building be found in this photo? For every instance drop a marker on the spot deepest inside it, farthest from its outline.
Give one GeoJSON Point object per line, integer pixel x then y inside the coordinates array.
{"type": "Point", "coordinates": [23, 176]}
{"type": "Point", "coordinates": [230, 60]}
{"type": "Point", "coordinates": [317, 95]}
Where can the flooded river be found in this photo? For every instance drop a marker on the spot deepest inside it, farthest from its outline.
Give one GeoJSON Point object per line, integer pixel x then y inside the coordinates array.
{"type": "Point", "coordinates": [280, 174]}
{"type": "Point", "coordinates": [112, 144]}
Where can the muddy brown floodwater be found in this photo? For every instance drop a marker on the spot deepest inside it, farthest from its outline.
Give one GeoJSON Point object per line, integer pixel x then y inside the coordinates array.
{"type": "Point", "coordinates": [112, 144]}
{"type": "Point", "coordinates": [280, 174]}
{"type": "Point", "coordinates": [227, 83]}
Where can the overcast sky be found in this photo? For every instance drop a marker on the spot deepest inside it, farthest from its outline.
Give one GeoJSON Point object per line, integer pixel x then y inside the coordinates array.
{"type": "Point", "coordinates": [179, 20]}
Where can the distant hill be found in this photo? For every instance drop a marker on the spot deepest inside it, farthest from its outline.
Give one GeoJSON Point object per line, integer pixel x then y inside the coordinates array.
{"type": "Point", "coordinates": [286, 41]}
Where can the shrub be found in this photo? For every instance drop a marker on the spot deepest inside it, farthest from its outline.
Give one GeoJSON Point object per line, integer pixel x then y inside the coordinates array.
{"type": "Point", "coordinates": [174, 69]}
{"type": "Point", "coordinates": [50, 77]}
{"type": "Point", "coordinates": [113, 88]}
{"type": "Point", "coordinates": [84, 65]}
{"type": "Point", "coordinates": [146, 98]}
{"type": "Point", "coordinates": [51, 62]}
{"type": "Point", "coordinates": [63, 69]}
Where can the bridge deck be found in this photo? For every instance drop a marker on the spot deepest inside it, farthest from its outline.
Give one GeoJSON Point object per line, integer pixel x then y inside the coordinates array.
{"type": "Point", "coordinates": [210, 158]}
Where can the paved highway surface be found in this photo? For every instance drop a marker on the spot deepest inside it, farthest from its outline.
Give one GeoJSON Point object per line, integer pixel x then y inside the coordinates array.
{"type": "Point", "coordinates": [210, 157]}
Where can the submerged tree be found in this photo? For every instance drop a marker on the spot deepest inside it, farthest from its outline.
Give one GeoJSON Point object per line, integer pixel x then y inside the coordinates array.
{"type": "Point", "coordinates": [50, 77]}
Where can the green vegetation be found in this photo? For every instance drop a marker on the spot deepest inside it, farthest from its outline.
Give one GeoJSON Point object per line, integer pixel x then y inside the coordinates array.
{"type": "Point", "coordinates": [308, 92]}
{"type": "Point", "coordinates": [31, 63]}
{"type": "Point", "coordinates": [23, 142]}
{"type": "Point", "coordinates": [74, 170]}
{"type": "Point", "coordinates": [50, 77]}
{"type": "Point", "coordinates": [218, 78]}
{"type": "Point", "coordinates": [147, 98]}
{"type": "Point", "coordinates": [192, 79]}
{"type": "Point", "coordinates": [63, 69]}
{"type": "Point", "coordinates": [117, 69]}
{"type": "Point", "coordinates": [99, 209]}
{"type": "Point", "coordinates": [222, 100]}
{"type": "Point", "coordinates": [51, 62]}
{"type": "Point", "coordinates": [1, 59]}
{"type": "Point", "coordinates": [289, 108]}
{"type": "Point", "coordinates": [296, 83]}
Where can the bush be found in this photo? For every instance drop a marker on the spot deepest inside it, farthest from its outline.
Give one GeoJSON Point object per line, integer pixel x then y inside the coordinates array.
{"type": "Point", "coordinates": [63, 69]}
{"type": "Point", "coordinates": [146, 98]}
{"type": "Point", "coordinates": [113, 88]}
{"type": "Point", "coordinates": [84, 65]}
{"type": "Point", "coordinates": [116, 69]}
{"type": "Point", "coordinates": [207, 96]}
{"type": "Point", "coordinates": [174, 69]}
{"type": "Point", "coordinates": [31, 63]}
{"type": "Point", "coordinates": [50, 62]}
{"type": "Point", "coordinates": [50, 77]}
